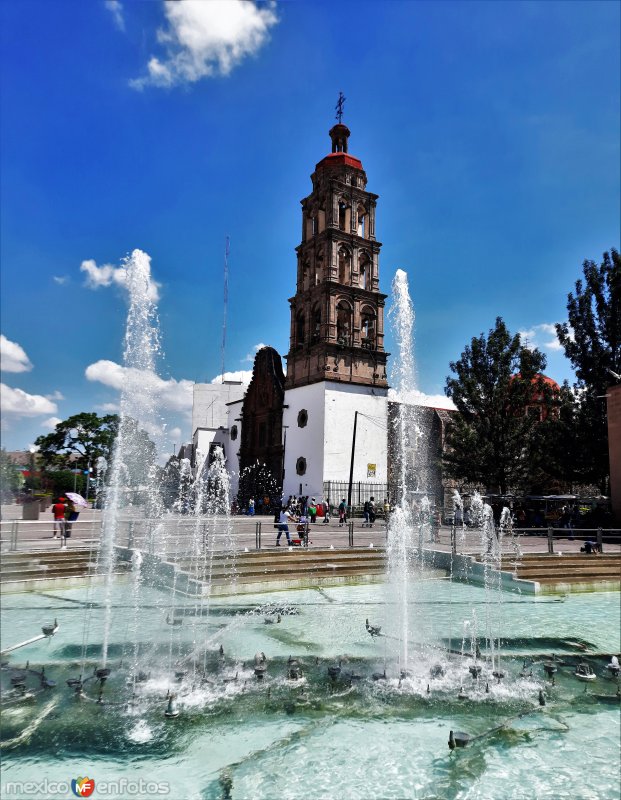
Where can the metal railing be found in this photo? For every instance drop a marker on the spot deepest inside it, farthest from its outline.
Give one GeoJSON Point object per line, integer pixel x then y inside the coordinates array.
{"type": "Point", "coordinates": [24, 535]}
{"type": "Point", "coordinates": [541, 539]}
{"type": "Point", "coordinates": [179, 536]}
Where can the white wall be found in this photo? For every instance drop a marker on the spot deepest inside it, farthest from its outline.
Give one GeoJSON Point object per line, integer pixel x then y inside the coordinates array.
{"type": "Point", "coordinates": [307, 442]}
{"type": "Point", "coordinates": [341, 403]}
{"type": "Point", "coordinates": [202, 439]}
{"type": "Point", "coordinates": [326, 440]}
{"type": "Point", "coordinates": [209, 409]}
{"type": "Point", "coordinates": [232, 445]}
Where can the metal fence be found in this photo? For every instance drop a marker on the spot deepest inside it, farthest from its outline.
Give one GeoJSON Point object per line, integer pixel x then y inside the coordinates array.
{"type": "Point", "coordinates": [176, 536]}
{"type": "Point", "coordinates": [17, 534]}
{"type": "Point", "coordinates": [361, 492]}
{"type": "Point", "coordinates": [543, 540]}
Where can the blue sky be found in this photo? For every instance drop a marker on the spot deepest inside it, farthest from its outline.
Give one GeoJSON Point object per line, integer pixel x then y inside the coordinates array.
{"type": "Point", "coordinates": [490, 131]}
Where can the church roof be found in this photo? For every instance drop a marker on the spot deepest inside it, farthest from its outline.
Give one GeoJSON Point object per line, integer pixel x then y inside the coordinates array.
{"type": "Point", "coordinates": [340, 159]}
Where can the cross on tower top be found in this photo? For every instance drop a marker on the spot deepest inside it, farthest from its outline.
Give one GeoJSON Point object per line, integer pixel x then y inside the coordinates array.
{"type": "Point", "coordinates": [339, 107]}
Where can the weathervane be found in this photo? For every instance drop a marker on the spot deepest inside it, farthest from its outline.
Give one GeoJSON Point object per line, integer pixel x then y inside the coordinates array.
{"type": "Point", "coordinates": [339, 107]}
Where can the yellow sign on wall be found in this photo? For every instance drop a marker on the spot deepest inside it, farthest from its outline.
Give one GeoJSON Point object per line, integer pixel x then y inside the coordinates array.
{"type": "Point", "coordinates": [371, 470]}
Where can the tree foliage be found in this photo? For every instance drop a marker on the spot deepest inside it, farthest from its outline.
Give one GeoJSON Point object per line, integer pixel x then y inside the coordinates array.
{"type": "Point", "coordinates": [57, 482]}
{"type": "Point", "coordinates": [495, 381]}
{"type": "Point", "coordinates": [10, 478]}
{"type": "Point", "coordinates": [78, 440]}
{"type": "Point", "coordinates": [591, 338]}
{"type": "Point", "coordinates": [557, 454]}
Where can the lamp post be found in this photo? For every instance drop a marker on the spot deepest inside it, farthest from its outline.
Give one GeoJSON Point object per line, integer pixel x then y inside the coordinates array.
{"type": "Point", "coordinates": [284, 450]}
{"type": "Point", "coordinates": [88, 478]}
{"type": "Point", "coordinates": [351, 466]}
{"type": "Point", "coordinates": [32, 449]}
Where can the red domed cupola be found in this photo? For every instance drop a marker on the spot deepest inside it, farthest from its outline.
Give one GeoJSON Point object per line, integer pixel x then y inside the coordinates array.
{"type": "Point", "coordinates": [339, 156]}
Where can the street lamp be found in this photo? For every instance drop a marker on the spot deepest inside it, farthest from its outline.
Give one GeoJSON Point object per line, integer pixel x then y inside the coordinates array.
{"type": "Point", "coordinates": [32, 450]}
{"type": "Point", "coordinates": [88, 479]}
{"type": "Point", "coordinates": [284, 450]}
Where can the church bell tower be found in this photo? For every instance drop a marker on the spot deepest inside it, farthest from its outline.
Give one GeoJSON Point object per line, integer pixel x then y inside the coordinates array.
{"type": "Point", "coordinates": [337, 312]}
{"type": "Point", "coordinates": [336, 364]}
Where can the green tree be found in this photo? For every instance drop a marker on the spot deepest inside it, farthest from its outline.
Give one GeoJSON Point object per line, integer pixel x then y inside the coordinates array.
{"type": "Point", "coordinates": [78, 440]}
{"type": "Point", "coordinates": [57, 482]}
{"type": "Point", "coordinates": [10, 477]}
{"type": "Point", "coordinates": [557, 453]}
{"type": "Point", "coordinates": [494, 384]}
{"type": "Point", "coordinates": [591, 338]}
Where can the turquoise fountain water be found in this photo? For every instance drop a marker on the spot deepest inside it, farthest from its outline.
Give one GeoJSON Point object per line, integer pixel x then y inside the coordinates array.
{"type": "Point", "coordinates": [152, 692]}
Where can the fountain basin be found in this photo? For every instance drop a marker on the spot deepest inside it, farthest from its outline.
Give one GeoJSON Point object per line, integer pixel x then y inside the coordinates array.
{"type": "Point", "coordinates": [273, 734]}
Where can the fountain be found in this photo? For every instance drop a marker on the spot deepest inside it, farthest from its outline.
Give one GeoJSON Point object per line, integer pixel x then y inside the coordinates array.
{"type": "Point", "coordinates": [146, 676]}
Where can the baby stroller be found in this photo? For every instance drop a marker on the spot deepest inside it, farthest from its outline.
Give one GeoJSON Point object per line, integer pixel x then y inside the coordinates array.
{"type": "Point", "coordinates": [302, 533]}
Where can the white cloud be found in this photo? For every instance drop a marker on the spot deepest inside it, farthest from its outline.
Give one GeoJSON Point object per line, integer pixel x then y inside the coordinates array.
{"type": "Point", "coordinates": [250, 356]}
{"type": "Point", "coordinates": [60, 279]}
{"type": "Point", "coordinates": [243, 375]}
{"type": "Point", "coordinates": [55, 396]}
{"type": "Point", "coordinates": [207, 37]}
{"type": "Point", "coordinates": [116, 9]}
{"type": "Point", "coordinates": [170, 395]}
{"type": "Point", "coordinates": [109, 275]}
{"type": "Point", "coordinates": [13, 357]}
{"type": "Point", "coordinates": [109, 408]}
{"type": "Point", "coordinates": [543, 335]}
{"type": "Point", "coordinates": [416, 398]}
{"type": "Point", "coordinates": [18, 403]}
{"type": "Point", "coordinates": [175, 435]}
{"type": "Point", "coordinates": [51, 423]}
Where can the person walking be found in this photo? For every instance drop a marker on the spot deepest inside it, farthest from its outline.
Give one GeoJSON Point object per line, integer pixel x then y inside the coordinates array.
{"type": "Point", "coordinates": [326, 511]}
{"type": "Point", "coordinates": [71, 515]}
{"type": "Point", "coordinates": [369, 513]}
{"type": "Point", "coordinates": [251, 507]}
{"type": "Point", "coordinates": [283, 525]}
{"type": "Point", "coordinates": [342, 513]}
{"type": "Point", "coordinates": [312, 511]}
{"type": "Point", "coordinates": [458, 517]}
{"type": "Point", "coordinates": [58, 511]}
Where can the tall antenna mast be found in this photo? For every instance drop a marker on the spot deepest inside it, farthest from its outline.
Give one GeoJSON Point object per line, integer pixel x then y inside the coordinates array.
{"type": "Point", "coordinates": [226, 299]}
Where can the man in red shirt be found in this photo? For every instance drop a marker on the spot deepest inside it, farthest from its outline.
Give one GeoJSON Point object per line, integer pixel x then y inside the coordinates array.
{"type": "Point", "coordinates": [58, 510]}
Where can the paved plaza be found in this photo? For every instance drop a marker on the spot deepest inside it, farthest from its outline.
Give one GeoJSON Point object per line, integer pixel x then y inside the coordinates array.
{"type": "Point", "coordinates": [248, 532]}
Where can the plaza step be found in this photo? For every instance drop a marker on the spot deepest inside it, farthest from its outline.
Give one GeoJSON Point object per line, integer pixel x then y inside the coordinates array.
{"type": "Point", "coordinates": [284, 565]}
{"type": "Point", "coordinates": [571, 569]}
{"type": "Point", "coordinates": [44, 569]}
{"type": "Point", "coordinates": [289, 558]}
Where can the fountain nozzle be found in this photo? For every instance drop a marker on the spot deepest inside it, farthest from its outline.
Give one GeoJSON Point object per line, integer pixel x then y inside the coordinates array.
{"type": "Point", "coordinates": [171, 709]}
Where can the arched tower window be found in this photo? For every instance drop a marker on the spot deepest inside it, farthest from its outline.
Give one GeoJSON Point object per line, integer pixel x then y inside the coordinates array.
{"type": "Point", "coordinates": [344, 216]}
{"type": "Point", "coordinates": [362, 220]}
{"type": "Point", "coordinates": [367, 327]}
{"type": "Point", "coordinates": [316, 324]}
{"type": "Point", "coordinates": [299, 329]}
{"type": "Point", "coordinates": [364, 271]}
{"type": "Point", "coordinates": [343, 323]}
{"type": "Point", "coordinates": [318, 267]}
{"type": "Point", "coordinates": [344, 266]}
